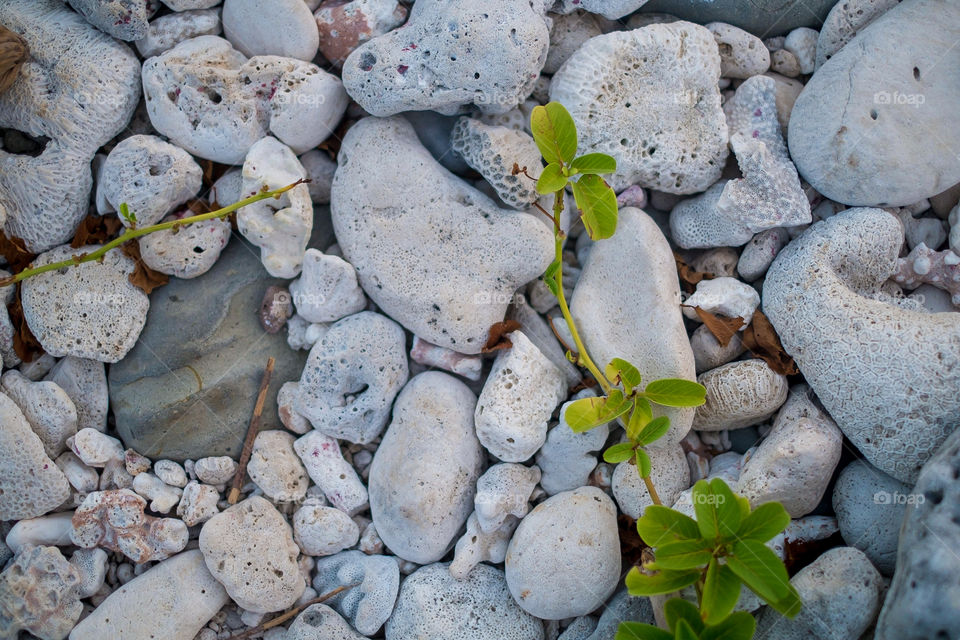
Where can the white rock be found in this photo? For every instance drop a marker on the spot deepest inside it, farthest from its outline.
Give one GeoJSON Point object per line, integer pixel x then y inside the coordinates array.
{"type": "Point", "coordinates": [423, 475]}
{"type": "Point", "coordinates": [758, 254]}
{"type": "Point", "coordinates": [188, 251]}
{"type": "Point", "coordinates": [327, 290]}
{"type": "Point", "coordinates": [275, 467]}
{"type": "Point", "coordinates": [785, 63]}
{"type": "Point", "coordinates": [504, 491]}
{"type": "Point", "coordinates": [567, 458]}
{"type": "Point", "coordinates": [517, 400]}
{"type": "Point", "coordinates": [151, 176]}
{"type": "Point", "coordinates": [85, 381]}
{"type": "Point", "coordinates": [49, 410]}
{"type": "Point", "coordinates": [38, 594]}
{"type": "Point", "coordinates": [742, 54]}
{"type": "Point", "coordinates": [271, 27]}
{"type": "Point", "coordinates": [335, 476]}
{"type": "Point", "coordinates": [89, 310]}
{"type": "Point", "coordinates": [655, 341]}
{"type": "Point", "coordinates": [290, 417]}
{"type": "Point", "coordinates": [280, 228]}
{"type": "Point", "coordinates": [173, 599]}
{"type": "Point", "coordinates": [669, 472]}
{"type": "Point", "coordinates": [198, 96]}
{"type": "Point", "coordinates": [81, 477]}
{"type": "Point", "coordinates": [162, 496]}
{"type": "Point", "coordinates": [215, 470]}
{"type": "Point", "coordinates": [320, 622]}
{"type": "Point", "coordinates": [249, 549]}
{"type": "Point", "coordinates": [476, 545]}
{"type": "Point", "coordinates": [122, 20]}
{"type": "Point", "coordinates": [494, 151]}
{"type": "Point", "coordinates": [802, 43]}
{"type": "Point", "coordinates": [171, 473]}
{"type": "Point", "coordinates": [79, 89]}
{"type": "Point", "coordinates": [660, 116]}
{"type": "Point", "coordinates": [187, 5]}
{"type": "Point", "coordinates": [367, 605]}
{"type": "Point", "coordinates": [564, 559]}
{"type": "Point", "coordinates": [567, 34]}
{"type": "Point", "coordinates": [46, 531]}
{"type": "Point", "coordinates": [724, 296]}
{"type": "Point", "coordinates": [449, 290]}
{"type": "Point", "coordinates": [91, 566]}
{"type": "Point", "coordinates": [323, 531]}
{"type": "Point", "coordinates": [94, 448]}
{"type": "Point", "coordinates": [352, 376]}
{"type": "Point", "coordinates": [709, 354]}
{"type": "Point", "coordinates": [167, 31]}
{"type": "Point", "coordinates": [198, 504]}
{"type": "Point", "coordinates": [739, 394]}
{"type": "Point", "coordinates": [844, 21]}
{"type": "Point", "coordinates": [431, 355]}
{"type": "Point", "coordinates": [320, 169]}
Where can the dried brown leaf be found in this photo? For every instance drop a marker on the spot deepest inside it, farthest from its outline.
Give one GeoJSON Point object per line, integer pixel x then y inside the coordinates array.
{"type": "Point", "coordinates": [25, 344]}
{"type": "Point", "coordinates": [722, 328]}
{"type": "Point", "coordinates": [96, 229]}
{"type": "Point", "coordinates": [143, 276]}
{"type": "Point", "coordinates": [762, 340]}
{"type": "Point", "coordinates": [689, 277]}
{"type": "Point", "coordinates": [497, 339]}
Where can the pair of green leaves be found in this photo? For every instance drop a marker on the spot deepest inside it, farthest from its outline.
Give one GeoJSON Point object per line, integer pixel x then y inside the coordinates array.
{"type": "Point", "coordinates": [725, 545]}
{"type": "Point", "coordinates": [556, 136]}
{"type": "Point", "coordinates": [684, 623]}
{"type": "Point", "coordinates": [128, 215]}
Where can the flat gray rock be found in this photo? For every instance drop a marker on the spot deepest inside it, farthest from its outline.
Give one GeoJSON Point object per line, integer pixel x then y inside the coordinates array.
{"type": "Point", "coordinates": [763, 18]}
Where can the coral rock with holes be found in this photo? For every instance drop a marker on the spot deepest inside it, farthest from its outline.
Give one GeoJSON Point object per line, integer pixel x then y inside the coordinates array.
{"type": "Point", "coordinates": [477, 545]}
{"type": "Point", "coordinates": [249, 549]}
{"type": "Point", "coordinates": [211, 100]}
{"type": "Point", "coordinates": [503, 491]}
{"type": "Point", "coordinates": [739, 394]}
{"type": "Point", "coordinates": [91, 310]}
{"type": "Point", "coordinates": [654, 341]}
{"type": "Point", "coordinates": [320, 622]}
{"type": "Point", "coordinates": [649, 98]}
{"type": "Point", "coordinates": [323, 531]}
{"type": "Point", "coordinates": [844, 21]}
{"type": "Point", "coordinates": [168, 31]}
{"type": "Point", "coordinates": [327, 290]}
{"type": "Point", "coordinates": [517, 400]}
{"type": "Point", "coordinates": [795, 461]}
{"type": "Point", "coordinates": [352, 376]}
{"type": "Point", "coordinates": [122, 19]}
{"type": "Point", "coordinates": [115, 520]}
{"type": "Point", "coordinates": [893, 82]}
{"type": "Point", "coordinates": [564, 559]}
{"type": "Point", "coordinates": [344, 25]}
{"type": "Point", "coordinates": [30, 483]}
{"type": "Point", "coordinates": [841, 595]}
{"type": "Point", "coordinates": [39, 594]}
{"type": "Point", "coordinates": [567, 458]}
{"type": "Point", "coordinates": [435, 254]}
{"type": "Point", "coordinates": [275, 467]}
{"type": "Point", "coordinates": [367, 605]}
{"type": "Point", "coordinates": [922, 600]}
{"type": "Point", "coordinates": [49, 410]}
{"type": "Point", "coordinates": [185, 252]}
{"type": "Point", "coordinates": [85, 382]}
{"type": "Point", "coordinates": [449, 55]}
{"type": "Point", "coordinates": [433, 604]}
{"type": "Point", "coordinates": [151, 176]}
{"type": "Point", "coordinates": [424, 473]}
{"type": "Point", "coordinates": [173, 599]}
{"type": "Point", "coordinates": [742, 54]}
{"type": "Point", "coordinates": [870, 507]}
{"type": "Point", "coordinates": [335, 477]}
{"type": "Point", "coordinates": [567, 34]}
{"type": "Point", "coordinates": [858, 348]}
{"type": "Point", "coordinates": [198, 503]}
{"type": "Point", "coordinates": [669, 472]}
{"type": "Point", "coordinates": [77, 91]}
{"type": "Point", "coordinates": [494, 151]}
{"type": "Point", "coordinates": [280, 227]}
{"type": "Point", "coordinates": [253, 26]}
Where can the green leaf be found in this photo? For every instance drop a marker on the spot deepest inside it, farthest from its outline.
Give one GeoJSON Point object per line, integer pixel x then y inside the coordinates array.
{"type": "Point", "coordinates": [642, 584]}
{"type": "Point", "coordinates": [554, 132]}
{"type": "Point", "coordinates": [641, 417]}
{"type": "Point", "coordinates": [594, 163]}
{"type": "Point", "coordinates": [740, 625]}
{"type": "Point", "coordinates": [654, 430]}
{"type": "Point", "coordinates": [641, 631]}
{"type": "Point", "coordinates": [618, 453]}
{"type": "Point", "coordinates": [721, 590]}
{"type": "Point", "coordinates": [619, 370]}
{"type": "Point", "coordinates": [728, 509]}
{"type": "Point", "coordinates": [128, 215]}
{"type": "Point", "coordinates": [598, 206]}
{"type": "Point", "coordinates": [677, 609]}
{"type": "Point", "coordinates": [587, 413]}
{"type": "Point", "coordinates": [675, 392]}
{"type": "Point", "coordinates": [705, 508]}
{"type": "Point", "coordinates": [684, 631]}
{"type": "Point", "coordinates": [643, 463]}
{"type": "Point", "coordinates": [552, 179]}
{"type": "Point", "coordinates": [765, 522]}
{"type": "Point", "coordinates": [683, 554]}
{"type": "Point", "coordinates": [659, 525]}
{"type": "Point", "coordinates": [550, 277]}
{"type": "Point", "coordinates": [765, 575]}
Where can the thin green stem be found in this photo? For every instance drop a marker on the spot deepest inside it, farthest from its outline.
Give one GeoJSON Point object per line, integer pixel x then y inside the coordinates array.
{"type": "Point", "coordinates": [652, 490]}
{"type": "Point", "coordinates": [583, 358]}
{"type": "Point", "coordinates": [130, 234]}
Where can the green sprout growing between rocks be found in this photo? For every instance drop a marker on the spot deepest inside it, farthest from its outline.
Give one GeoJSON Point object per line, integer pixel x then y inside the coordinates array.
{"type": "Point", "coordinates": [724, 546]}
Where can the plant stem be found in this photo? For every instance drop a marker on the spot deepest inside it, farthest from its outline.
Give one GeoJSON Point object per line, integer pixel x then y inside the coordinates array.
{"type": "Point", "coordinates": [652, 490]}
{"type": "Point", "coordinates": [130, 234]}
{"type": "Point", "coordinates": [583, 358]}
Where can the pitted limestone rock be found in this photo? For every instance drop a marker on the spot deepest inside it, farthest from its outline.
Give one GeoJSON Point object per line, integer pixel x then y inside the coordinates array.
{"type": "Point", "coordinates": [367, 605]}
{"type": "Point", "coordinates": [39, 594]}
{"type": "Point", "coordinates": [49, 410]}
{"type": "Point", "coordinates": [275, 467]}
{"type": "Point", "coordinates": [327, 289]}
{"type": "Point", "coordinates": [739, 394]}
{"type": "Point", "coordinates": [85, 382]}
{"type": "Point", "coordinates": [335, 476]}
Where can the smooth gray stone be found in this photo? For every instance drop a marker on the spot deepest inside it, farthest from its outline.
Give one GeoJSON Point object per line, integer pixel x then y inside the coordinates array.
{"type": "Point", "coordinates": [764, 18]}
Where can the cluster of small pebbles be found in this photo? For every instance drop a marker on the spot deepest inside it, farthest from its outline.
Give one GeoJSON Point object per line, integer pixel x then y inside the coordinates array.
{"type": "Point", "coordinates": [794, 167]}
